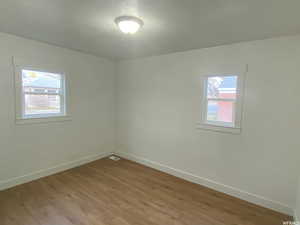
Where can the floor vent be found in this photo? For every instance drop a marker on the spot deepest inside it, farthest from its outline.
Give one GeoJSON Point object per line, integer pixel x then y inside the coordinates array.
{"type": "Point", "coordinates": [113, 157]}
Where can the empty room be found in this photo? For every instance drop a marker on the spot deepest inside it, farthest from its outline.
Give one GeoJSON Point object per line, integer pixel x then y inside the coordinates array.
{"type": "Point", "coordinates": [139, 112]}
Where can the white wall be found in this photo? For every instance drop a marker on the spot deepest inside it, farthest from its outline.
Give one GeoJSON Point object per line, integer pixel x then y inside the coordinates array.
{"type": "Point", "coordinates": [30, 148]}
{"type": "Point", "coordinates": [159, 106]}
{"type": "Point", "coordinates": [297, 211]}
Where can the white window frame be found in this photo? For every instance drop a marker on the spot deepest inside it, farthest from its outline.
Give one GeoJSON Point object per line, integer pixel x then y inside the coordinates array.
{"type": "Point", "coordinates": [21, 118]}
{"type": "Point", "coordinates": [221, 126]}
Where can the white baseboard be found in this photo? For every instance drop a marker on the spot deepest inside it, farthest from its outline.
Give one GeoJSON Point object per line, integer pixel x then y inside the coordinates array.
{"type": "Point", "coordinates": [253, 198]}
{"type": "Point", "coordinates": [49, 171]}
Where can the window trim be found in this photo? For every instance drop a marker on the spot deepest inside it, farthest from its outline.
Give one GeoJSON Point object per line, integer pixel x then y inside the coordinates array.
{"type": "Point", "coordinates": [220, 126]}
{"type": "Point", "coordinates": [20, 116]}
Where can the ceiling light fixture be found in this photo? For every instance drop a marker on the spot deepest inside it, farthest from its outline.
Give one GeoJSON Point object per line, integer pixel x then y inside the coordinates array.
{"type": "Point", "coordinates": [129, 24]}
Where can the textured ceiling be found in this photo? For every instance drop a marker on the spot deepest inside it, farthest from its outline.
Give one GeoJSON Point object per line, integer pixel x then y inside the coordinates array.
{"type": "Point", "coordinates": [170, 25]}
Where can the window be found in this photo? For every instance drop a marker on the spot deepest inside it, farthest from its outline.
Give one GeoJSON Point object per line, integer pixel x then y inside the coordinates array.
{"type": "Point", "coordinates": [40, 95]}
{"type": "Point", "coordinates": [221, 109]}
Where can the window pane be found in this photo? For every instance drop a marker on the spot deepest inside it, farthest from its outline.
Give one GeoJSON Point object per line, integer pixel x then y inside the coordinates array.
{"type": "Point", "coordinates": [222, 87]}
{"type": "Point", "coordinates": [41, 90]}
{"type": "Point", "coordinates": [220, 111]}
{"type": "Point", "coordinates": [42, 104]}
{"type": "Point", "coordinates": [40, 80]}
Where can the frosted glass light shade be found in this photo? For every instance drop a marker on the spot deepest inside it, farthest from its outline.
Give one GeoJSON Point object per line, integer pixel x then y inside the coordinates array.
{"type": "Point", "coordinates": [129, 24]}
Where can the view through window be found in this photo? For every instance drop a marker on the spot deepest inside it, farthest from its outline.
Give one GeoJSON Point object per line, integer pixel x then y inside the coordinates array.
{"type": "Point", "coordinates": [43, 94]}
{"type": "Point", "coordinates": [221, 97]}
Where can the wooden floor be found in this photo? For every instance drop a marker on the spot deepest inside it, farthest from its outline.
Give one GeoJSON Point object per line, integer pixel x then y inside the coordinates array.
{"type": "Point", "coordinates": [105, 192]}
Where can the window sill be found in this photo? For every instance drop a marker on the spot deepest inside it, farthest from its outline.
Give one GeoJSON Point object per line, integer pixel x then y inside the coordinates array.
{"type": "Point", "coordinates": [43, 120]}
{"type": "Point", "coordinates": [210, 127]}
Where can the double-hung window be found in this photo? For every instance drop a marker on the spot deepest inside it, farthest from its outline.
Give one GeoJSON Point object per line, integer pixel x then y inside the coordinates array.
{"type": "Point", "coordinates": [43, 94]}
{"type": "Point", "coordinates": [40, 94]}
{"type": "Point", "coordinates": [222, 103]}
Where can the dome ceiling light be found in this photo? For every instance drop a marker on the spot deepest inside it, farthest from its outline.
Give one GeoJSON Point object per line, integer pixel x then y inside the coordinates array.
{"type": "Point", "coordinates": [129, 24]}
